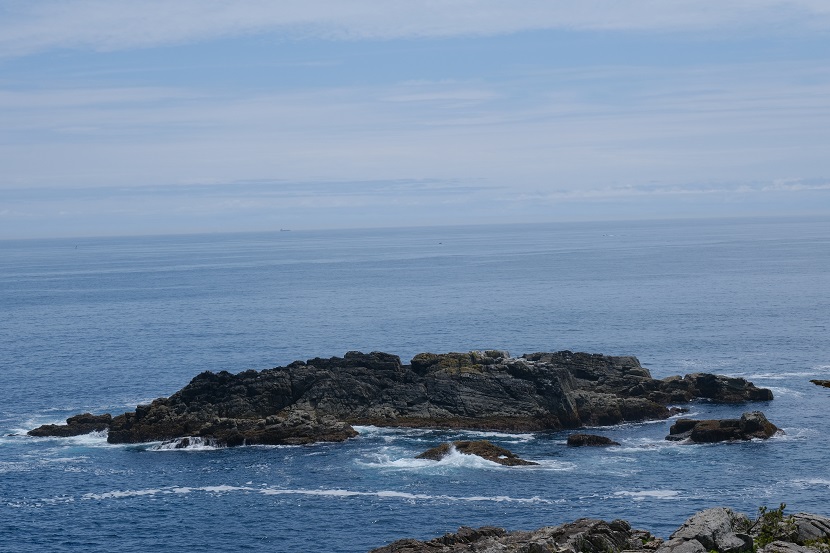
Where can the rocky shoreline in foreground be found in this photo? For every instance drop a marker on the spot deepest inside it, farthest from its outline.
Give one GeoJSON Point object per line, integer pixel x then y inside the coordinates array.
{"type": "Point", "coordinates": [716, 530]}
{"type": "Point", "coordinates": [320, 400]}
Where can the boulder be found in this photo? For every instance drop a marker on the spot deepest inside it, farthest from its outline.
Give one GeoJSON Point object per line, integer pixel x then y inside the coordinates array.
{"type": "Point", "coordinates": [591, 440]}
{"type": "Point", "coordinates": [751, 425]}
{"type": "Point", "coordinates": [811, 528]}
{"type": "Point", "coordinates": [787, 547]}
{"type": "Point", "coordinates": [480, 448]}
{"type": "Point", "coordinates": [825, 383]}
{"type": "Point", "coordinates": [718, 529]}
{"type": "Point", "coordinates": [76, 425]}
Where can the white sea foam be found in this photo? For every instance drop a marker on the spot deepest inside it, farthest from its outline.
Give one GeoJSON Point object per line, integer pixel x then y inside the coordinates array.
{"type": "Point", "coordinates": [782, 391]}
{"type": "Point", "coordinates": [503, 436]}
{"type": "Point", "coordinates": [809, 482]}
{"type": "Point", "coordinates": [796, 434]}
{"type": "Point", "coordinates": [120, 494]}
{"type": "Point", "coordinates": [392, 494]}
{"type": "Point", "coordinates": [93, 439]}
{"type": "Point", "coordinates": [189, 443]}
{"type": "Point", "coordinates": [373, 431]}
{"type": "Point", "coordinates": [788, 374]}
{"type": "Point", "coordinates": [224, 488]}
{"type": "Point", "coordinates": [322, 492]}
{"type": "Point", "coordinates": [683, 414]}
{"type": "Point", "coordinates": [649, 494]}
{"type": "Point", "coordinates": [390, 434]}
{"type": "Point", "coordinates": [552, 465]}
{"type": "Point", "coordinates": [452, 460]}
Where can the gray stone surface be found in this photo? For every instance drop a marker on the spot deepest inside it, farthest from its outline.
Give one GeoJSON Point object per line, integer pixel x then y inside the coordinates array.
{"type": "Point", "coordinates": [719, 528]}
{"type": "Point", "coordinates": [811, 527]}
{"type": "Point", "coordinates": [581, 536]}
{"type": "Point", "coordinates": [786, 547]}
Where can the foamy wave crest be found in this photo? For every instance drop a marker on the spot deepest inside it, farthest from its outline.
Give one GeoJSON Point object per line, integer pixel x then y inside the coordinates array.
{"type": "Point", "coordinates": [120, 494]}
{"type": "Point", "coordinates": [651, 445]}
{"type": "Point", "coordinates": [502, 436]}
{"type": "Point", "coordinates": [683, 414]}
{"type": "Point", "coordinates": [789, 374]}
{"type": "Point", "coordinates": [390, 435]}
{"type": "Point", "coordinates": [333, 493]}
{"type": "Point", "coordinates": [93, 439]}
{"type": "Point", "coordinates": [782, 391]}
{"type": "Point", "coordinates": [811, 482]}
{"type": "Point", "coordinates": [796, 434]}
{"type": "Point", "coordinates": [452, 460]}
{"type": "Point", "coordinates": [552, 465]}
{"type": "Point", "coordinates": [188, 443]}
{"type": "Point", "coordinates": [649, 494]}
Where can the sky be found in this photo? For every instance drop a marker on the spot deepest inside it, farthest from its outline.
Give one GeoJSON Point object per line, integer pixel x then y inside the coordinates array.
{"type": "Point", "coordinates": [157, 117]}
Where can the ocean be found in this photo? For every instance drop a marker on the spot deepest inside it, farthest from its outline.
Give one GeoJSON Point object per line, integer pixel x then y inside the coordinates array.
{"type": "Point", "coordinates": [105, 324]}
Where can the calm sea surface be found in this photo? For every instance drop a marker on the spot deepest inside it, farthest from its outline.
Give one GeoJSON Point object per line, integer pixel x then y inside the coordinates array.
{"type": "Point", "coordinates": [104, 324]}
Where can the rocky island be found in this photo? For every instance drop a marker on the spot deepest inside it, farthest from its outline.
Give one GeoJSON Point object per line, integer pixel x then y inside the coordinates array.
{"type": "Point", "coordinates": [323, 398]}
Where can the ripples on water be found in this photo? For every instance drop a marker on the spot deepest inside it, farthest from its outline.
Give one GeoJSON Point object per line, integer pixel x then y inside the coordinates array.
{"type": "Point", "coordinates": [118, 322]}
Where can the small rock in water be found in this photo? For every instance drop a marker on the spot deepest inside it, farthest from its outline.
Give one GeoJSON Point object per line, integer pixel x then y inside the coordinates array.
{"type": "Point", "coordinates": [480, 448]}
{"type": "Point", "coordinates": [751, 425]}
{"type": "Point", "coordinates": [825, 383]}
{"type": "Point", "coordinates": [76, 425]}
{"type": "Point", "coordinates": [579, 440]}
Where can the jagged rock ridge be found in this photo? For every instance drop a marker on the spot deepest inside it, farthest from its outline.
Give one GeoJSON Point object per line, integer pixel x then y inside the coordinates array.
{"type": "Point", "coordinates": [716, 530]}
{"type": "Point", "coordinates": [320, 399]}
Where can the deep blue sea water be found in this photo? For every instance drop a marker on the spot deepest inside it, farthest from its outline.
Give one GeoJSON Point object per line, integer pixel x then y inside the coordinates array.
{"type": "Point", "coordinates": [103, 324]}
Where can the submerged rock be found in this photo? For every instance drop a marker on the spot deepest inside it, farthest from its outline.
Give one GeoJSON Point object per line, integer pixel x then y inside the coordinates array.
{"type": "Point", "coordinates": [320, 399]}
{"type": "Point", "coordinates": [591, 440]}
{"type": "Point", "coordinates": [480, 448]}
{"type": "Point", "coordinates": [750, 425]}
{"type": "Point", "coordinates": [76, 425]}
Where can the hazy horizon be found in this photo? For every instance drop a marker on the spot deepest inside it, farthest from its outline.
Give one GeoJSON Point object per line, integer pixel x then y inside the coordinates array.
{"type": "Point", "coordinates": [123, 118]}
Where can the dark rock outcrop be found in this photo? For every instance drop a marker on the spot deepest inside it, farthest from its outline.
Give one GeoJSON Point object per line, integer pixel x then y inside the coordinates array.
{"type": "Point", "coordinates": [590, 440]}
{"type": "Point", "coordinates": [320, 399]}
{"type": "Point", "coordinates": [76, 425]}
{"type": "Point", "coordinates": [480, 448]}
{"type": "Point", "coordinates": [750, 425]}
{"type": "Point", "coordinates": [825, 383]}
{"type": "Point", "coordinates": [582, 536]}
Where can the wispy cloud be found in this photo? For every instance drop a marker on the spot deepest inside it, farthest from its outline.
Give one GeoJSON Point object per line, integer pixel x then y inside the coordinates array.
{"type": "Point", "coordinates": [740, 122]}
{"type": "Point", "coordinates": [29, 27]}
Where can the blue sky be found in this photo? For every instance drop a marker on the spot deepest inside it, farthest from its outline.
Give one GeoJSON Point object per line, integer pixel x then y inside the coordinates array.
{"type": "Point", "coordinates": [200, 116]}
